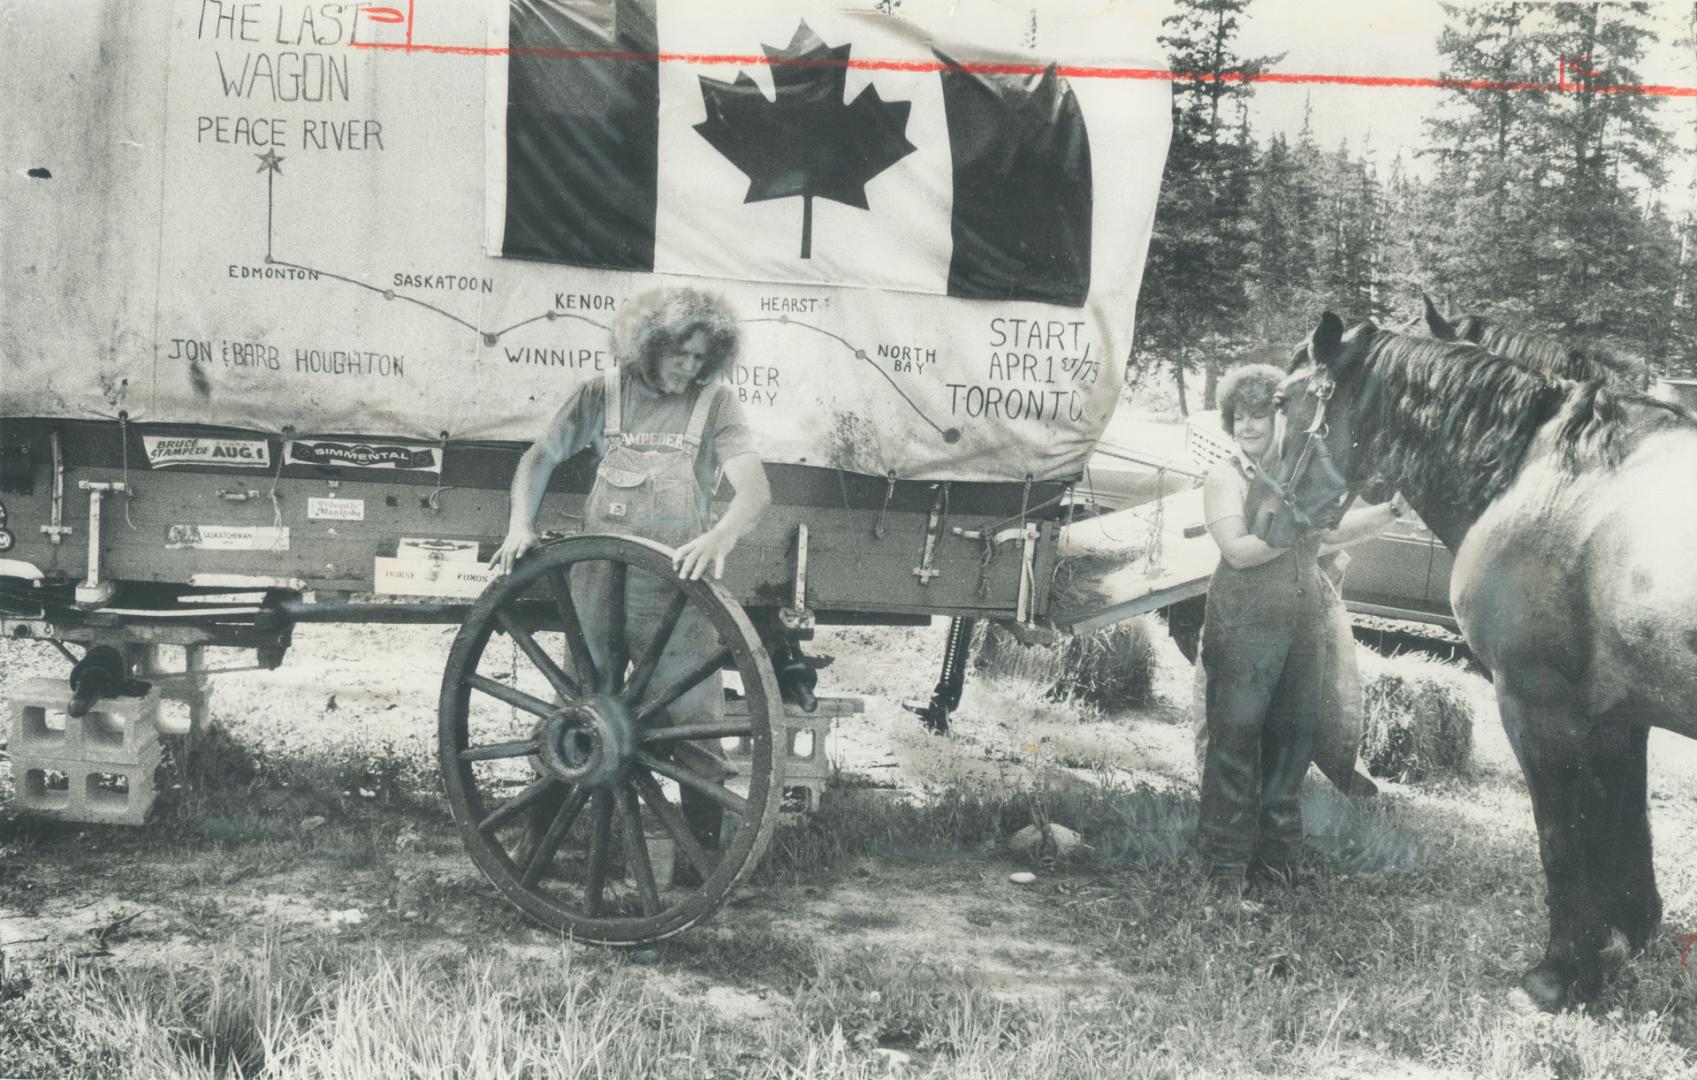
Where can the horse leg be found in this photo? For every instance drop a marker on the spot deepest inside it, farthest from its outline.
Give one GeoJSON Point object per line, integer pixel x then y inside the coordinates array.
{"type": "Point", "coordinates": [1545, 735]}
{"type": "Point", "coordinates": [1625, 871]}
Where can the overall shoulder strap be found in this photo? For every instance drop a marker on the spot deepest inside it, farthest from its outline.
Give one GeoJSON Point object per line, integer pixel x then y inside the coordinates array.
{"type": "Point", "coordinates": [613, 420]}
{"type": "Point", "coordinates": [702, 413]}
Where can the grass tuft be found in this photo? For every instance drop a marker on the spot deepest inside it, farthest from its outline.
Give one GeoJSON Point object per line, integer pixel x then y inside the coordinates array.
{"type": "Point", "coordinates": [1113, 668]}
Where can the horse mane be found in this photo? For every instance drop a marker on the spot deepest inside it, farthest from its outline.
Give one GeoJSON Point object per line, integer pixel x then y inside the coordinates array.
{"type": "Point", "coordinates": [1441, 410]}
{"type": "Point", "coordinates": [1579, 362]}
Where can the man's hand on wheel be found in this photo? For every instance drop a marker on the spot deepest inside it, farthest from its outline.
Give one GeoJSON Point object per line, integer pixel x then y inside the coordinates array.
{"type": "Point", "coordinates": [709, 549]}
{"type": "Point", "coordinates": [517, 543]}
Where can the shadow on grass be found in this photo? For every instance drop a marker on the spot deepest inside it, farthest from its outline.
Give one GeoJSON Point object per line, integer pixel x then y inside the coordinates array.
{"type": "Point", "coordinates": [1123, 825]}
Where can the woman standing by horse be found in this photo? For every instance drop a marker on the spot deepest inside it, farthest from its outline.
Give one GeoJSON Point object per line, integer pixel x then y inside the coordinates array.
{"type": "Point", "coordinates": [1267, 649]}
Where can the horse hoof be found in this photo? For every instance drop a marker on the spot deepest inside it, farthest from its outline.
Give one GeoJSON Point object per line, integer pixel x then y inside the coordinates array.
{"type": "Point", "coordinates": [1547, 990]}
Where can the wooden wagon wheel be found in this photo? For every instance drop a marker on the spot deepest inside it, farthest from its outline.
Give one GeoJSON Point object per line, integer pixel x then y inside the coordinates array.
{"type": "Point", "coordinates": [566, 776]}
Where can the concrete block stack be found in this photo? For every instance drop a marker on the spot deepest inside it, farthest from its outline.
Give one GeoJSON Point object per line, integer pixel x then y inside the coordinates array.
{"type": "Point", "coordinates": [806, 764]}
{"type": "Point", "coordinates": [98, 767]}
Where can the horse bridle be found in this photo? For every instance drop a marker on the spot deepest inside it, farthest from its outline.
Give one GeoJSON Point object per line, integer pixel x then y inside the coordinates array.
{"type": "Point", "coordinates": [1321, 386]}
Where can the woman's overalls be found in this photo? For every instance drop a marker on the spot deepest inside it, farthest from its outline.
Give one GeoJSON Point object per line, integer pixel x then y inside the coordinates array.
{"type": "Point", "coordinates": [1337, 737]}
{"type": "Point", "coordinates": [1264, 647]}
{"type": "Point", "coordinates": [646, 486]}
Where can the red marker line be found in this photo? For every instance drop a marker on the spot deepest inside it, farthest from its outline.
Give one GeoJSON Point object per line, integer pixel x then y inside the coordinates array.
{"type": "Point", "coordinates": [1070, 71]}
{"type": "Point", "coordinates": [1685, 942]}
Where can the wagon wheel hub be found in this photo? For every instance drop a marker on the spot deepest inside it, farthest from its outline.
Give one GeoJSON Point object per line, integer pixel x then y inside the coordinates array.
{"type": "Point", "coordinates": [589, 742]}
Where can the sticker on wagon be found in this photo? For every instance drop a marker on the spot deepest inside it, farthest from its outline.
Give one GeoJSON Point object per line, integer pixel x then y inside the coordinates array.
{"type": "Point", "coordinates": [362, 455]}
{"type": "Point", "coordinates": [434, 548]}
{"type": "Point", "coordinates": [335, 509]}
{"type": "Point", "coordinates": [165, 451]}
{"type": "Point", "coordinates": [427, 577]}
{"type": "Point", "coordinates": [228, 537]}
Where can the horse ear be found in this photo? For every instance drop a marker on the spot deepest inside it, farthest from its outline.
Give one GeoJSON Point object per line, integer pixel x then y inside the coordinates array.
{"type": "Point", "coordinates": [1327, 337]}
{"type": "Point", "coordinates": [1441, 328]}
{"type": "Point", "coordinates": [1475, 331]}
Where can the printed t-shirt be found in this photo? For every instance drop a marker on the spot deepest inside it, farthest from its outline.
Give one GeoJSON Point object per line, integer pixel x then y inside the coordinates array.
{"type": "Point", "coordinates": [579, 425]}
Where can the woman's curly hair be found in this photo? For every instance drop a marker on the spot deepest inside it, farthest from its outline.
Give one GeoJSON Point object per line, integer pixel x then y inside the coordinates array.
{"type": "Point", "coordinates": [653, 323]}
{"type": "Point", "coordinates": [1251, 386]}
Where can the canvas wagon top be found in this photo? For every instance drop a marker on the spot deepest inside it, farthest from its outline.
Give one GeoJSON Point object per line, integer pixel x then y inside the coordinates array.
{"type": "Point", "coordinates": [335, 225]}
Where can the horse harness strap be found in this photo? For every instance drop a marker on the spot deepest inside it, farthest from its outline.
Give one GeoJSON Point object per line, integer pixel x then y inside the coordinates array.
{"type": "Point", "coordinates": [1316, 430]}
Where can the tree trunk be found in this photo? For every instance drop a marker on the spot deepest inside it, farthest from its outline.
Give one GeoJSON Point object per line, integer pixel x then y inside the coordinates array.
{"type": "Point", "coordinates": [1178, 377]}
{"type": "Point", "coordinates": [1210, 379]}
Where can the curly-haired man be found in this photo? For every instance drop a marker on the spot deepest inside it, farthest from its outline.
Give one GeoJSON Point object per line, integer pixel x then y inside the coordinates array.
{"type": "Point", "coordinates": [663, 427]}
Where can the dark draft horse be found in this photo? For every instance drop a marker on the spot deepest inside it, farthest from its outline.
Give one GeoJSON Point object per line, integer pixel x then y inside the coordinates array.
{"type": "Point", "coordinates": [1571, 510]}
{"type": "Point", "coordinates": [1552, 357]}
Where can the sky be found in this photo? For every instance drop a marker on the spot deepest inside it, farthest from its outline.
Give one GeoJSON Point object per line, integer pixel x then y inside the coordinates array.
{"type": "Point", "coordinates": [1399, 38]}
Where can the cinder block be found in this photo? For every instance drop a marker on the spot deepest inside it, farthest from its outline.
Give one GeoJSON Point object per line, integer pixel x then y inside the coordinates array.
{"type": "Point", "coordinates": [39, 723]}
{"type": "Point", "coordinates": [103, 792]}
{"type": "Point", "coordinates": [121, 730]}
{"type": "Point", "coordinates": [807, 765]}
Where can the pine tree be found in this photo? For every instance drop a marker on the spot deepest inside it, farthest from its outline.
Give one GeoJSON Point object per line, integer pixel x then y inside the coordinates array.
{"type": "Point", "coordinates": [1493, 159]}
{"type": "Point", "coordinates": [1195, 291]}
{"type": "Point", "coordinates": [1541, 195]}
{"type": "Point", "coordinates": [1607, 148]}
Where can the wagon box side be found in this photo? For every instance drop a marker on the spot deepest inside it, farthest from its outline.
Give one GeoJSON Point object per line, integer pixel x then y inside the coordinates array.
{"type": "Point", "coordinates": [334, 530]}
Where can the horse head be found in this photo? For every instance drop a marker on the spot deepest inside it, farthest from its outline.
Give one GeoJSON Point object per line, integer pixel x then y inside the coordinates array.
{"type": "Point", "coordinates": [1470, 328]}
{"type": "Point", "coordinates": [1312, 492]}
{"type": "Point", "coordinates": [1322, 398]}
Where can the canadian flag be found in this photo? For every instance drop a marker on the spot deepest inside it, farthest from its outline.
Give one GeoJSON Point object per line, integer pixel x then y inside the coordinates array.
{"type": "Point", "coordinates": [816, 145]}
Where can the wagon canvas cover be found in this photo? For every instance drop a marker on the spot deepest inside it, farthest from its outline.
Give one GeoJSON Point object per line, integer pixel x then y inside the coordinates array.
{"type": "Point", "coordinates": [331, 220]}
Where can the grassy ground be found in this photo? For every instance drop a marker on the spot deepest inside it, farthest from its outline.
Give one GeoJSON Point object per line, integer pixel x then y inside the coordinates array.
{"type": "Point", "coordinates": [240, 935]}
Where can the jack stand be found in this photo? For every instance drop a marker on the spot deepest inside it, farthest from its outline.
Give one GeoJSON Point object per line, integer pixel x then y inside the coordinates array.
{"type": "Point", "coordinates": [945, 699]}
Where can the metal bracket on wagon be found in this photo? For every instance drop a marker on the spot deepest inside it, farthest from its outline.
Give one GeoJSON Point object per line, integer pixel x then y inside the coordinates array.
{"type": "Point", "coordinates": [798, 616]}
{"type": "Point", "coordinates": [925, 571]}
{"type": "Point", "coordinates": [93, 591]}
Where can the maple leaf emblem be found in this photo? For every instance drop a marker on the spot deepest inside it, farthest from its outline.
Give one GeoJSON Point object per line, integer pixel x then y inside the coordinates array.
{"type": "Point", "coordinates": [805, 142]}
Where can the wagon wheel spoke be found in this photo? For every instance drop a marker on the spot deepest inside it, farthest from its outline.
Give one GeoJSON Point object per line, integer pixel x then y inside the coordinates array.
{"type": "Point", "coordinates": [599, 843]}
{"type": "Point", "coordinates": [720, 794]}
{"type": "Point", "coordinates": [673, 822]}
{"type": "Point", "coordinates": [515, 805]}
{"type": "Point", "coordinates": [725, 730]}
{"type": "Point", "coordinates": [681, 686]}
{"type": "Point", "coordinates": [518, 699]}
{"type": "Point", "coordinates": [636, 849]}
{"type": "Point", "coordinates": [576, 643]}
{"type": "Point", "coordinates": [645, 668]}
{"type": "Point", "coordinates": [618, 638]}
{"type": "Point", "coordinates": [565, 689]}
{"type": "Point", "coordinates": [497, 751]}
{"type": "Point", "coordinates": [543, 853]}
